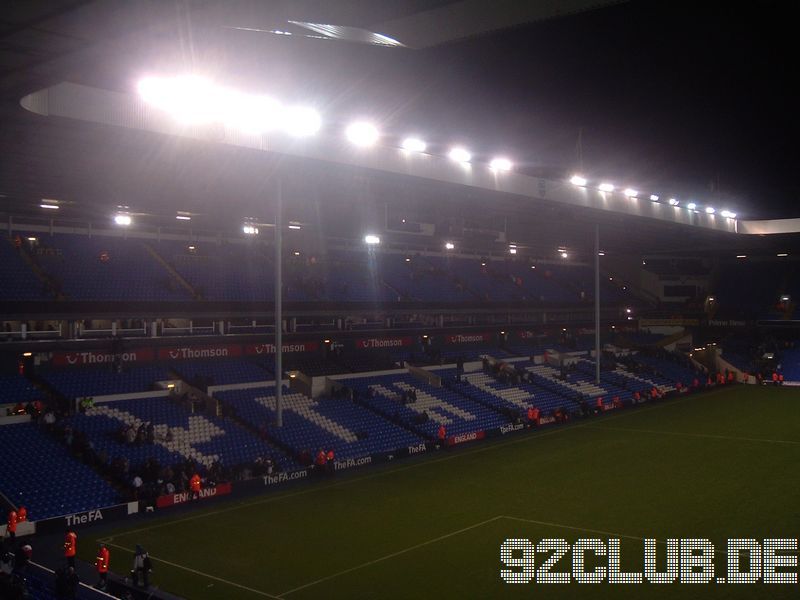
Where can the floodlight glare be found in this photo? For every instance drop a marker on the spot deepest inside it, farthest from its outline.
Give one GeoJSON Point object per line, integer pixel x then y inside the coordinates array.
{"type": "Point", "coordinates": [250, 229]}
{"type": "Point", "coordinates": [362, 134]}
{"type": "Point", "coordinates": [251, 114]}
{"type": "Point", "coordinates": [123, 220]}
{"type": "Point", "coordinates": [728, 214]}
{"type": "Point", "coordinates": [710, 210]}
{"type": "Point", "coordinates": [188, 98]}
{"type": "Point", "coordinates": [654, 197]}
{"type": "Point", "coordinates": [413, 144]}
{"type": "Point", "coordinates": [673, 202]}
{"type": "Point", "coordinates": [372, 239]}
{"type": "Point", "coordinates": [577, 180]}
{"type": "Point", "coordinates": [449, 245]}
{"type": "Point", "coordinates": [500, 164]}
{"type": "Point", "coordinates": [606, 187]}
{"type": "Point", "coordinates": [631, 193]}
{"type": "Point", "coordinates": [460, 155]}
{"type": "Point", "coordinates": [301, 121]}
{"type": "Point", "coordinates": [691, 206]}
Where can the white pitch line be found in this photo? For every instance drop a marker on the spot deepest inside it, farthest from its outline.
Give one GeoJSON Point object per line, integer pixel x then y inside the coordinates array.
{"type": "Point", "coordinates": [392, 555]}
{"type": "Point", "coordinates": [201, 573]}
{"type": "Point", "coordinates": [712, 436]}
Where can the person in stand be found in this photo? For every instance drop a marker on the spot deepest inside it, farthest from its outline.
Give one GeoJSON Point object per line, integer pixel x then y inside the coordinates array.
{"type": "Point", "coordinates": [442, 434]}
{"type": "Point", "coordinates": [101, 563]}
{"type": "Point", "coordinates": [22, 514]}
{"type": "Point", "coordinates": [598, 405]}
{"type": "Point", "coordinates": [11, 526]}
{"type": "Point", "coordinates": [142, 567]}
{"type": "Point", "coordinates": [195, 485]}
{"type": "Point", "coordinates": [70, 547]}
{"type": "Point", "coordinates": [533, 416]}
{"type": "Point", "coordinates": [329, 457]}
{"type": "Point", "coordinates": [780, 378]}
{"type": "Point", "coordinates": [321, 461]}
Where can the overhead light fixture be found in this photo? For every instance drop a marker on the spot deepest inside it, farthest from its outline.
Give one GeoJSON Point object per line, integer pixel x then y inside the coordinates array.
{"type": "Point", "coordinates": [631, 193]}
{"type": "Point", "coordinates": [782, 254]}
{"type": "Point", "coordinates": [183, 217]}
{"type": "Point", "coordinates": [449, 245]}
{"type": "Point", "coordinates": [408, 259]}
{"type": "Point", "coordinates": [673, 202]}
{"type": "Point", "coordinates": [250, 229]}
{"type": "Point", "coordinates": [192, 248]}
{"type": "Point", "coordinates": [512, 250]}
{"type": "Point", "coordinates": [601, 253]}
{"type": "Point", "coordinates": [297, 253]}
{"type": "Point", "coordinates": [606, 187]}
{"type": "Point", "coordinates": [500, 164]}
{"type": "Point", "coordinates": [27, 354]}
{"type": "Point", "coordinates": [578, 180]}
{"type": "Point", "coordinates": [49, 206]}
{"type": "Point", "coordinates": [564, 254]}
{"type": "Point", "coordinates": [362, 133]}
{"type": "Point", "coordinates": [691, 206]}
{"type": "Point", "coordinates": [294, 225]}
{"type": "Point", "coordinates": [412, 144]}
{"type": "Point", "coordinates": [654, 197]}
{"type": "Point", "coordinates": [728, 214]}
{"type": "Point", "coordinates": [31, 239]}
{"type": "Point", "coordinates": [460, 155]}
{"type": "Point", "coordinates": [741, 256]}
{"type": "Point", "coordinates": [372, 239]}
{"type": "Point", "coordinates": [123, 220]}
{"type": "Point", "coordinates": [710, 210]}
{"type": "Point", "coordinates": [785, 298]}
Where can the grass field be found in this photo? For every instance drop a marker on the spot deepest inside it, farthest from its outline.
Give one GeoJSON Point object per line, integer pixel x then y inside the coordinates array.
{"type": "Point", "coordinates": [720, 465]}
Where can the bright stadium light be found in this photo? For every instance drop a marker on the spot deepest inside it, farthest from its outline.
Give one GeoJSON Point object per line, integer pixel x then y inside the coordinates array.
{"type": "Point", "coordinates": [183, 217]}
{"type": "Point", "coordinates": [251, 114]}
{"type": "Point", "coordinates": [49, 206]}
{"type": "Point", "coordinates": [412, 144]}
{"type": "Point", "coordinates": [578, 180]}
{"type": "Point", "coordinates": [728, 214]}
{"type": "Point", "coordinates": [782, 254]}
{"type": "Point", "coordinates": [500, 164]}
{"type": "Point", "coordinates": [188, 98]}
{"type": "Point", "coordinates": [606, 187]}
{"type": "Point", "coordinates": [512, 250]}
{"type": "Point", "coordinates": [362, 133]}
{"type": "Point", "coordinates": [654, 197]}
{"type": "Point", "coordinates": [372, 239]}
{"type": "Point", "coordinates": [460, 155]}
{"type": "Point", "coordinates": [741, 256]}
{"type": "Point", "coordinates": [691, 206]}
{"type": "Point", "coordinates": [449, 245]}
{"type": "Point", "coordinates": [631, 193]}
{"type": "Point", "coordinates": [301, 121]}
{"type": "Point", "coordinates": [601, 253]}
{"type": "Point", "coordinates": [250, 229]}
{"type": "Point", "coordinates": [123, 220]}
{"type": "Point", "coordinates": [710, 210]}
{"type": "Point", "coordinates": [673, 202]}
{"type": "Point", "coordinates": [564, 254]}
{"type": "Point", "coordinates": [294, 225]}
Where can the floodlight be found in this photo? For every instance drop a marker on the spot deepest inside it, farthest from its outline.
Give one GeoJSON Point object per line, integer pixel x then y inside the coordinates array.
{"type": "Point", "coordinates": [673, 202]}
{"type": "Point", "coordinates": [250, 229]}
{"type": "Point", "coordinates": [413, 144]}
{"type": "Point", "coordinates": [460, 155]}
{"type": "Point", "coordinates": [189, 98]}
{"type": "Point", "coordinates": [252, 114]}
{"type": "Point", "coordinates": [710, 210]}
{"type": "Point", "coordinates": [628, 311]}
{"type": "Point", "coordinates": [606, 187]}
{"type": "Point", "coordinates": [449, 245]}
{"type": "Point", "coordinates": [631, 193]}
{"type": "Point", "coordinates": [500, 164]}
{"type": "Point", "coordinates": [654, 197]}
{"type": "Point", "coordinates": [512, 250]}
{"type": "Point", "coordinates": [578, 180]}
{"type": "Point", "coordinates": [123, 220]}
{"type": "Point", "coordinates": [728, 214]}
{"type": "Point", "coordinates": [564, 254]}
{"type": "Point", "coordinates": [301, 121]}
{"type": "Point", "coordinates": [691, 206]}
{"type": "Point", "coordinates": [372, 239]}
{"type": "Point", "coordinates": [361, 133]}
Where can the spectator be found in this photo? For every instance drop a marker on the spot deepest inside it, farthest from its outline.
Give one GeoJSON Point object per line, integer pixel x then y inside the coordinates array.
{"type": "Point", "coordinates": [70, 547]}
{"type": "Point", "coordinates": [67, 583]}
{"type": "Point", "coordinates": [101, 564]}
{"type": "Point", "coordinates": [142, 567]}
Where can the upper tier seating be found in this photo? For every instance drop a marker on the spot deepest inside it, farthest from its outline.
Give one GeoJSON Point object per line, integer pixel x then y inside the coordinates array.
{"type": "Point", "coordinates": [222, 371]}
{"type": "Point", "coordinates": [17, 280]}
{"type": "Point", "coordinates": [39, 473]}
{"type": "Point", "coordinates": [15, 388]}
{"type": "Point", "coordinates": [106, 268]}
{"type": "Point", "coordinates": [332, 423]}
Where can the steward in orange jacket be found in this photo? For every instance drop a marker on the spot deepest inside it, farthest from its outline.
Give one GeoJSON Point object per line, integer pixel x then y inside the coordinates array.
{"type": "Point", "coordinates": [101, 563]}
{"type": "Point", "coordinates": [70, 547]}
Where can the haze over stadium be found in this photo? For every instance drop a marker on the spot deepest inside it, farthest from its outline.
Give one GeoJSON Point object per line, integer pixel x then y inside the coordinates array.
{"type": "Point", "coordinates": [397, 299]}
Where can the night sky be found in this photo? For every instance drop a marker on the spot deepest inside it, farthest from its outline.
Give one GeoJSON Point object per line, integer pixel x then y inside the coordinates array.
{"type": "Point", "coordinates": [692, 99]}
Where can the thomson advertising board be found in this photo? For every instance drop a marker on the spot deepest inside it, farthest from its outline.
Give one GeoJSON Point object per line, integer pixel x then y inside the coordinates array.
{"type": "Point", "coordinates": [468, 338]}
{"type": "Point", "coordinates": [139, 355]}
{"type": "Point", "coordinates": [193, 352]}
{"type": "Point", "coordinates": [370, 343]}
{"type": "Point", "coordinates": [287, 348]}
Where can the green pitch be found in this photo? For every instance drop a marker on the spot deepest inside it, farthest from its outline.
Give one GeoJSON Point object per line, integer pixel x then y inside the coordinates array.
{"type": "Point", "coordinates": [719, 465]}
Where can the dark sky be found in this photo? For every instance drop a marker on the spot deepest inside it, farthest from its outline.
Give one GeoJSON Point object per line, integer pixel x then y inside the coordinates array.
{"type": "Point", "coordinates": [693, 99]}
